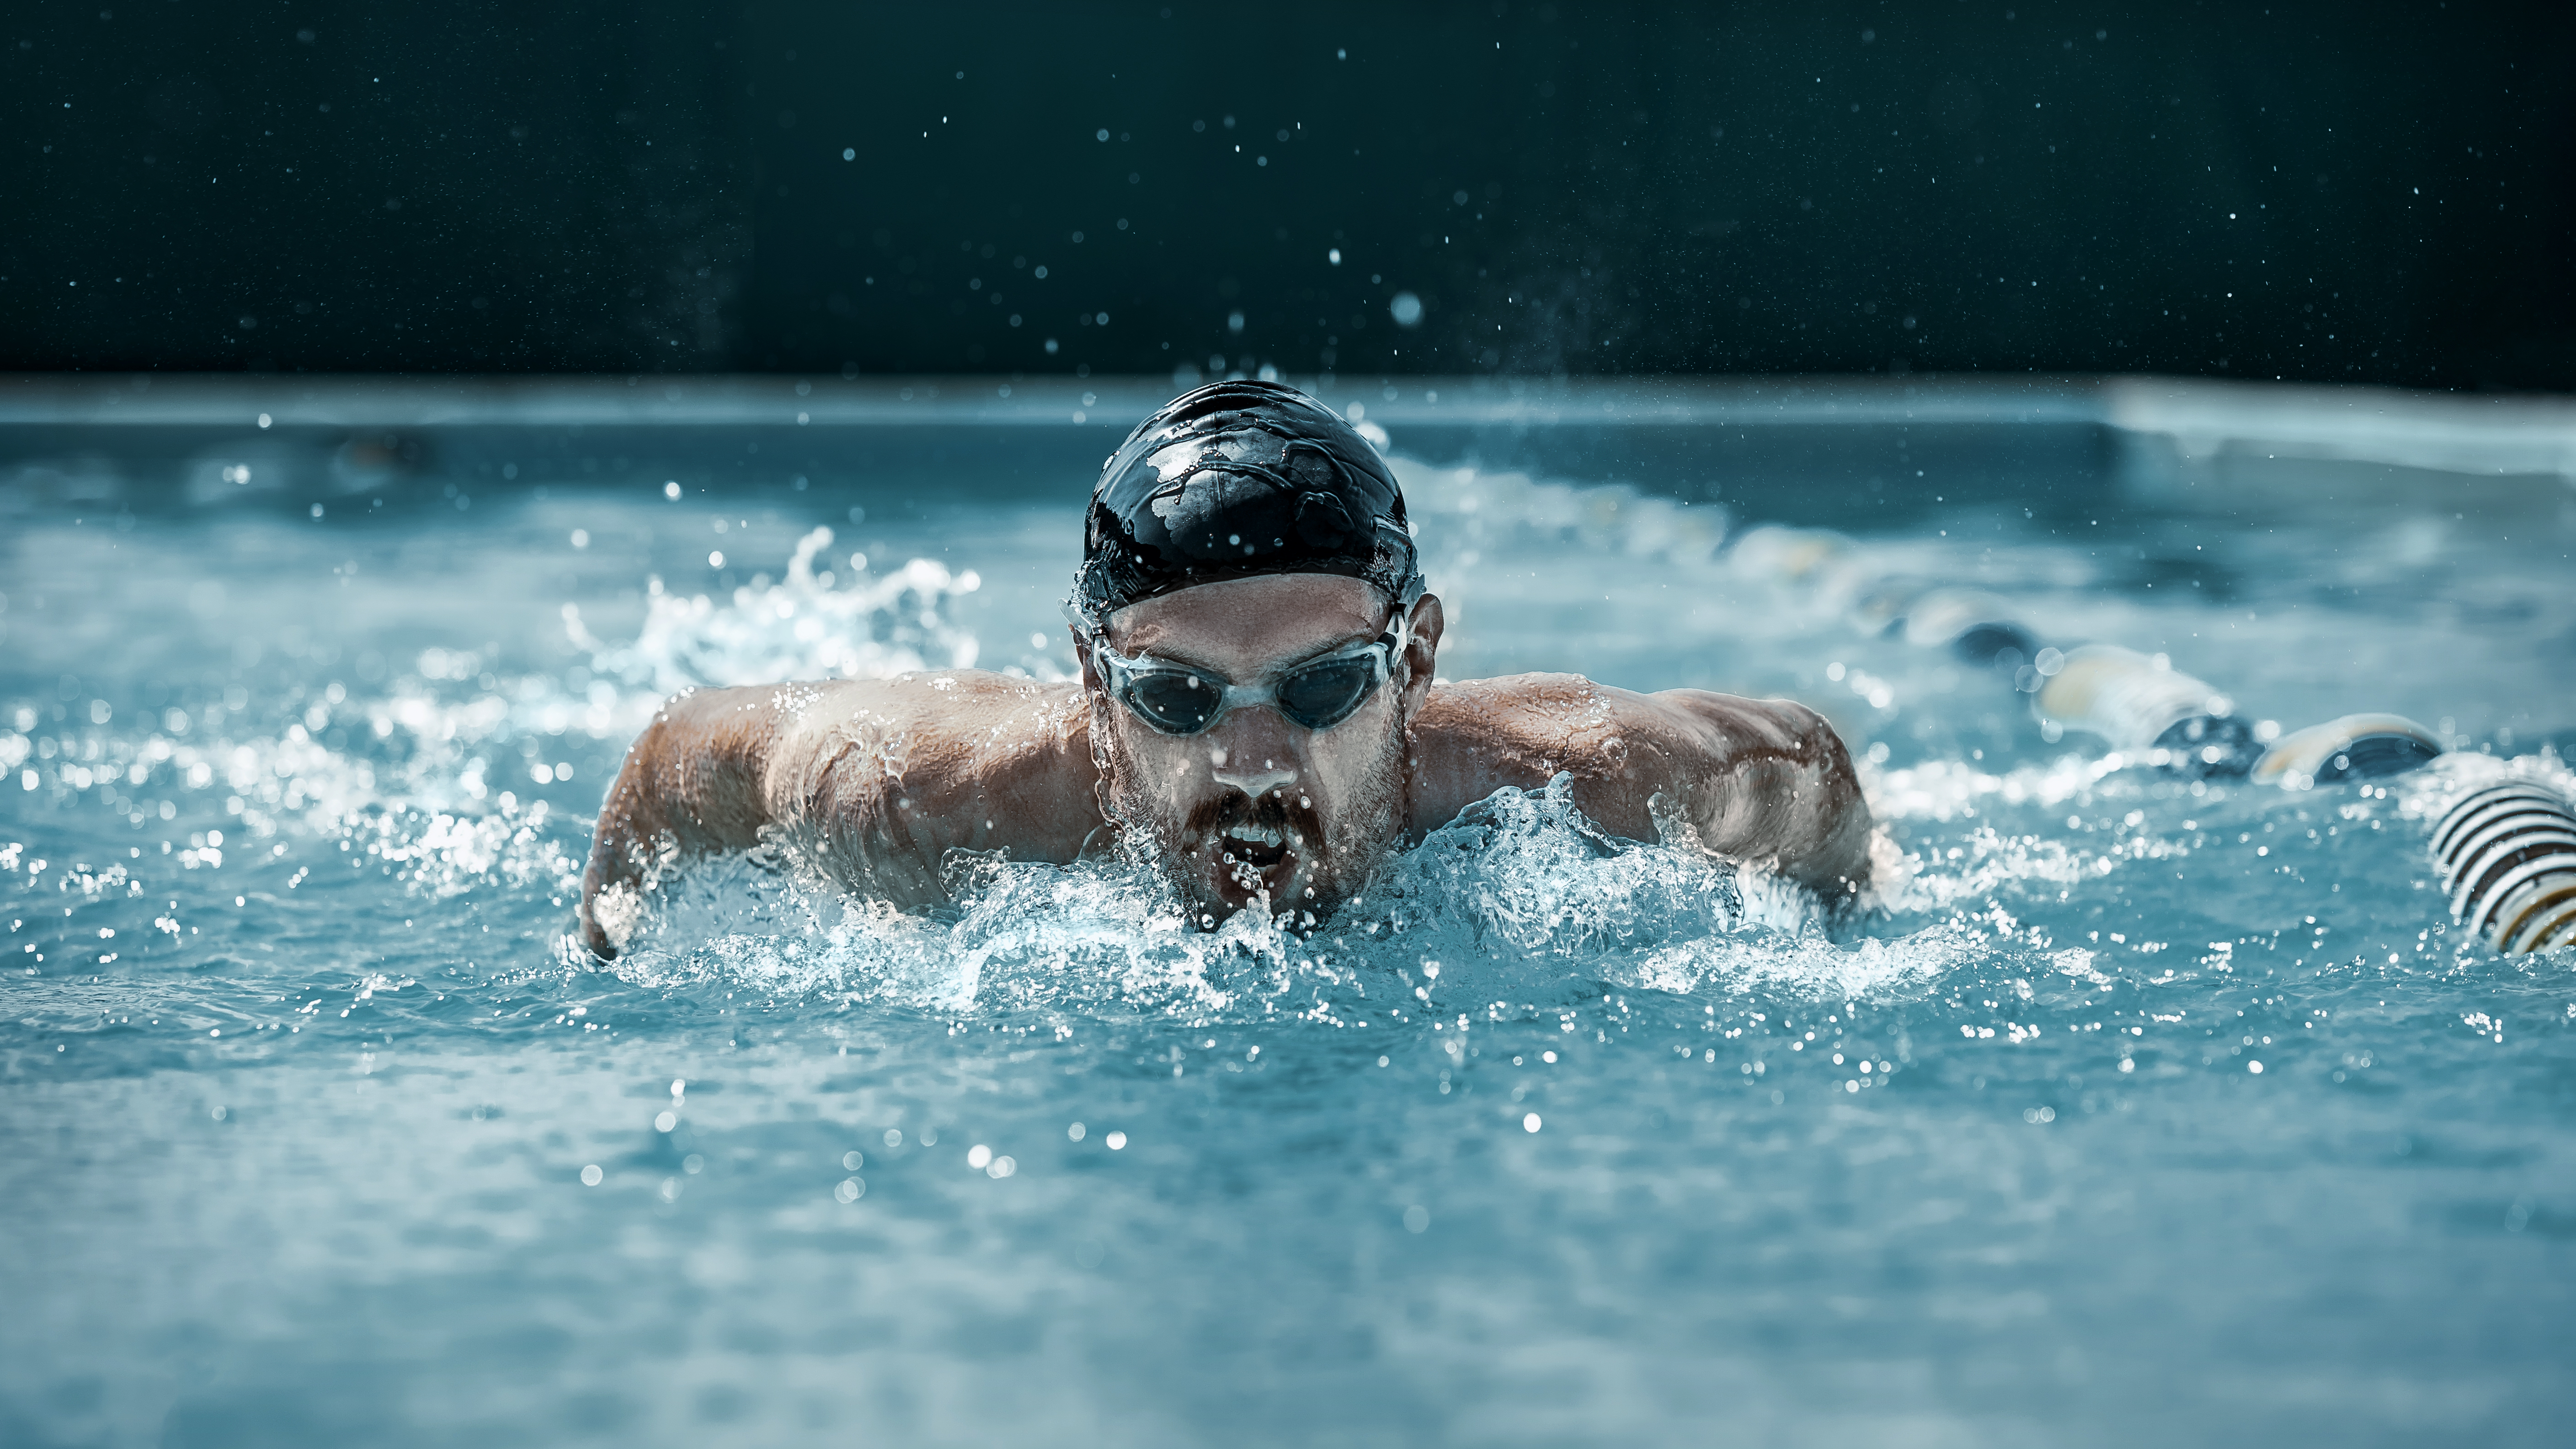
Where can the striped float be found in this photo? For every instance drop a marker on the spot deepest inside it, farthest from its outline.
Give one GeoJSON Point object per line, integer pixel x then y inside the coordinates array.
{"type": "Point", "coordinates": [2507, 856]}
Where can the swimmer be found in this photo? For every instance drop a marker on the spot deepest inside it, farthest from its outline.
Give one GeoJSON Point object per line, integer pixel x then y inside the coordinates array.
{"type": "Point", "coordinates": [1257, 710]}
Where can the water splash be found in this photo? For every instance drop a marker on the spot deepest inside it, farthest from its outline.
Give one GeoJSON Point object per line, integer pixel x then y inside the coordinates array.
{"type": "Point", "coordinates": [801, 627]}
{"type": "Point", "coordinates": [1521, 905]}
{"type": "Point", "coordinates": [442, 855]}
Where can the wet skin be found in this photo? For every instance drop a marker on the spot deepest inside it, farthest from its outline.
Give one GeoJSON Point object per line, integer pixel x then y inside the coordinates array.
{"type": "Point", "coordinates": [874, 782]}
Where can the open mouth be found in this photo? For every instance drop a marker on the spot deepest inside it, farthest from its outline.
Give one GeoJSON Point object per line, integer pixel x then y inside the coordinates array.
{"type": "Point", "coordinates": [1261, 846]}
{"type": "Point", "coordinates": [1253, 857]}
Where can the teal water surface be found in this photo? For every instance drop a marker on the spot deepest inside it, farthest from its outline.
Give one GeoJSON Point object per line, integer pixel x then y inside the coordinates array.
{"type": "Point", "coordinates": [2150, 1112]}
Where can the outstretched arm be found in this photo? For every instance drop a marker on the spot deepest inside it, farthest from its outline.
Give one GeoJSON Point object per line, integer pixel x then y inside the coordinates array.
{"type": "Point", "coordinates": [1765, 782]}
{"type": "Point", "coordinates": [872, 782]}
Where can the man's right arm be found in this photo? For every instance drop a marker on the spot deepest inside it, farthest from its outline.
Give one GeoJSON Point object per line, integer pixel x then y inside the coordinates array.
{"type": "Point", "coordinates": [694, 783]}
{"type": "Point", "coordinates": [872, 782]}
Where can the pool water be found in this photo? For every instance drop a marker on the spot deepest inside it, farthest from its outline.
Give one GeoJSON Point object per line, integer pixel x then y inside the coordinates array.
{"type": "Point", "coordinates": [2151, 1111]}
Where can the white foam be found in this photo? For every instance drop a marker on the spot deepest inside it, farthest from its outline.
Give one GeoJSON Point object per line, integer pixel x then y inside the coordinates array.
{"type": "Point", "coordinates": [1520, 906]}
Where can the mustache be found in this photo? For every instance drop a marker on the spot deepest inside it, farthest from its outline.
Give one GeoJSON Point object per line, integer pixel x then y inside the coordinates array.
{"type": "Point", "coordinates": [1232, 808]}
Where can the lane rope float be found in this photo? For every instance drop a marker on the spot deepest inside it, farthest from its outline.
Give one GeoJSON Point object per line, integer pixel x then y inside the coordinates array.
{"type": "Point", "coordinates": [2507, 859]}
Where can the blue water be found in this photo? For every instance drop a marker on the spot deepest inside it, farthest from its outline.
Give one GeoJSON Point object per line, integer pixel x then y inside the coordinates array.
{"type": "Point", "coordinates": [316, 1132]}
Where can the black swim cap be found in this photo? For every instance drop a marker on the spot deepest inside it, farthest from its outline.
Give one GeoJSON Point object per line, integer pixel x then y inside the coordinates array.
{"type": "Point", "coordinates": [1234, 480]}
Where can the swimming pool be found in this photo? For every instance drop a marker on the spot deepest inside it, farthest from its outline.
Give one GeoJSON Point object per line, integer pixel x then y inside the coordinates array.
{"type": "Point", "coordinates": [2159, 1109]}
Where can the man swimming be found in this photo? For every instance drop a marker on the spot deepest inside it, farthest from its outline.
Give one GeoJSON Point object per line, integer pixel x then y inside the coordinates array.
{"type": "Point", "coordinates": [1257, 707]}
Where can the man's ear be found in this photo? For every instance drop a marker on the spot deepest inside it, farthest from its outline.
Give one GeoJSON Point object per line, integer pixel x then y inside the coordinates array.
{"type": "Point", "coordinates": [1082, 658]}
{"type": "Point", "coordinates": [1422, 651]}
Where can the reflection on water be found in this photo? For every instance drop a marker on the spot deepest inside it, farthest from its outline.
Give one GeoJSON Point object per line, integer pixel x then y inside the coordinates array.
{"type": "Point", "coordinates": [2149, 1103]}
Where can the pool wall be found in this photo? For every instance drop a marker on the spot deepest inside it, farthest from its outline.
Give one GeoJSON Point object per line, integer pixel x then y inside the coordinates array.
{"type": "Point", "coordinates": [1858, 453]}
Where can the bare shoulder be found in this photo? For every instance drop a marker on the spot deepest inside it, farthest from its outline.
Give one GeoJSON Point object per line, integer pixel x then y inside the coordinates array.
{"type": "Point", "coordinates": [925, 727]}
{"type": "Point", "coordinates": [948, 712]}
{"type": "Point", "coordinates": [1569, 719]}
{"type": "Point", "coordinates": [1476, 736]}
{"type": "Point", "coordinates": [1520, 724]}
{"type": "Point", "coordinates": [1738, 726]}
{"type": "Point", "coordinates": [921, 763]}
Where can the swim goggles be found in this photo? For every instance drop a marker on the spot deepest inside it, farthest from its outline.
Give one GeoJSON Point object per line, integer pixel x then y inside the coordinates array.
{"type": "Point", "coordinates": [1318, 694]}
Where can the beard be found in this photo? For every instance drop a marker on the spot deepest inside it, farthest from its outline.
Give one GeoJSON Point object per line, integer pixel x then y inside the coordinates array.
{"type": "Point", "coordinates": [1283, 854]}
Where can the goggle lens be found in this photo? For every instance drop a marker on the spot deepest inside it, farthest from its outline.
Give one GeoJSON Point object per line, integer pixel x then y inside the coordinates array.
{"type": "Point", "coordinates": [1323, 694]}
{"type": "Point", "coordinates": [1175, 703]}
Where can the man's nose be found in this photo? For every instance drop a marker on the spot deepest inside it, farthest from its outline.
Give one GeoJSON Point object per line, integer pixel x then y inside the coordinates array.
{"type": "Point", "coordinates": [1257, 783]}
{"type": "Point", "coordinates": [1252, 759]}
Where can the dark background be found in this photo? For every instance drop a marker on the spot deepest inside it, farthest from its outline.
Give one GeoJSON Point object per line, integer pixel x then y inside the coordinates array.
{"type": "Point", "coordinates": [2376, 192]}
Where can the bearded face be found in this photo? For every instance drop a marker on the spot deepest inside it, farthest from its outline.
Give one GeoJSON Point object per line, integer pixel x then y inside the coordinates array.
{"type": "Point", "coordinates": [1256, 811]}
{"type": "Point", "coordinates": [1306, 845]}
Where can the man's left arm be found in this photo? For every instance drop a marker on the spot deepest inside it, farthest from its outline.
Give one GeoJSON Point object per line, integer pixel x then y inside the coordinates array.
{"type": "Point", "coordinates": [1766, 782]}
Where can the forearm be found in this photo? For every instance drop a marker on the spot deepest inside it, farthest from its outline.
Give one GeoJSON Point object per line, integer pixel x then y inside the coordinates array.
{"type": "Point", "coordinates": [1779, 789]}
{"type": "Point", "coordinates": [692, 784]}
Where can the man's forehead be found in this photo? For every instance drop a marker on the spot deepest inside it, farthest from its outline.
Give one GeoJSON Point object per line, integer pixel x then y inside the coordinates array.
{"type": "Point", "coordinates": [1255, 619]}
